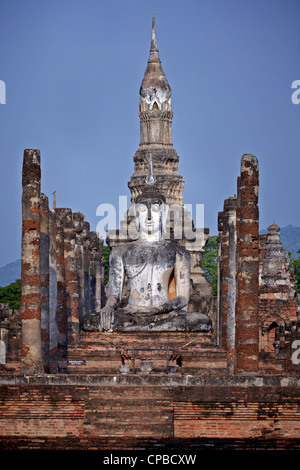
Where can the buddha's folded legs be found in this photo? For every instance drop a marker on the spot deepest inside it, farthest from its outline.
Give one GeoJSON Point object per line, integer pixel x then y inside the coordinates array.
{"type": "Point", "coordinates": [176, 320]}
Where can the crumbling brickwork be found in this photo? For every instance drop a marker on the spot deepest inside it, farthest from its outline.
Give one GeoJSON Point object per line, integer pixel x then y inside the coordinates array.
{"type": "Point", "coordinates": [278, 311]}
{"type": "Point", "coordinates": [247, 267]}
{"type": "Point", "coordinates": [238, 271]}
{"type": "Point", "coordinates": [62, 272]}
{"type": "Point", "coordinates": [31, 352]}
{"type": "Point", "coordinates": [105, 413]}
{"type": "Point", "coordinates": [257, 301]}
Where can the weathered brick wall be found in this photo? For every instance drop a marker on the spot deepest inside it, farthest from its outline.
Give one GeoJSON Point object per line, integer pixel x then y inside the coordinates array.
{"type": "Point", "coordinates": [40, 411]}
{"type": "Point", "coordinates": [236, 420]}
{"type": "Point", "coordinates": [256, 292]}
{"type": "Point", "coordinates": [56, 289]}
{"type": "Point", "coordinates": [153, 408]}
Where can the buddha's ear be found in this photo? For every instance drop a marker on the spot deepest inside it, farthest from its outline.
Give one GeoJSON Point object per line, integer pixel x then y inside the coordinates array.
{"type": "Point", "coordinates": [137, 221]}
{"type": "Point", "coordinates": [164, 212]}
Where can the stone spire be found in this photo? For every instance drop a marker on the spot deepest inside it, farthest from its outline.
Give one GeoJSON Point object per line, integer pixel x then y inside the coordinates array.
{"type": "Point", "coordinates": [155, 113]}
{"type": "Point", "coordinates": [155, 91]}
{"type": "Point", "coordinates": [153, 50]}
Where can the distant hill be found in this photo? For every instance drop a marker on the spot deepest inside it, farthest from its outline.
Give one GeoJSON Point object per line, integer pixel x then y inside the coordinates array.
{"type": "Point", "coordinates": [10, 273]}
{"type": "Point", "coordinates": [290, 237]}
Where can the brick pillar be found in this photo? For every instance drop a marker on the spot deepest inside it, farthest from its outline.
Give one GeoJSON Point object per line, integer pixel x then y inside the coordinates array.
{"type": "Point", "coordinates": [61, 312]}
{"type": "Point", "coordinates": [222, 277]}
{"type": "Point", "coordinates": [86, 268]}
{"type": "Point", "coordinates": [219, 284]}
{"type": "Point", "coordinates": [71, 283]}
{"type": "Point", "coordinates": [102, 274]}
{"type": "Point", "coordinates": [247, 301]}
{"type": "Point", "coordinates": [31, 350]}
{"type": "Point", "coordinates": [44, 267]}
{"type": "Point", "coordinates": [78, 220]}
{"type": "Point", "coordinates": [231, 296]}
{"type": "Point", "coordinates": [95, 271]}
{"type": "Point", "coordinates": [53, 327]}
{"type": "Point", "coordinates": [227, 278]}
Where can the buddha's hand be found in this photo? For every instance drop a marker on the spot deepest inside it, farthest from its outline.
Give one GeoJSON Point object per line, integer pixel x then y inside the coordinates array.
{"type": "Point", "coordinates": [107, 313]}
{"type": "Point", "coordinates": [107, 316]}
{"type": "Point", "coordinates": [175, 304]}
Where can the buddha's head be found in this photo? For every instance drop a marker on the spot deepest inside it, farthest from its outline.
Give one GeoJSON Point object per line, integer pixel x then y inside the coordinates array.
{"type": "Point", "coordinates": [150, 211]}
{"type": "Point", "coordinates": [150, 207]}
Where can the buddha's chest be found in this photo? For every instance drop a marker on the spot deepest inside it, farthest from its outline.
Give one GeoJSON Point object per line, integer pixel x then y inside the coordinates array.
{"type": "Point", "coordinates": [149, 264]}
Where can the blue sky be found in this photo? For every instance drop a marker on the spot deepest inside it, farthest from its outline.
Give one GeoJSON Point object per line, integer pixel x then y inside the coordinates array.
{"type": "Point", "coordinates": [73, 69]}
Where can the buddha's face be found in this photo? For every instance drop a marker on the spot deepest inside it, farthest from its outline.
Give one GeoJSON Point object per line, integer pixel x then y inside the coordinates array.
{"type": "Point", "coordinates": [150, 218]}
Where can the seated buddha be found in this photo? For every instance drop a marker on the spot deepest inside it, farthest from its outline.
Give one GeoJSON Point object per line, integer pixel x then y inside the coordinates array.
{"type": "Point", "coordinates": [159, 274]}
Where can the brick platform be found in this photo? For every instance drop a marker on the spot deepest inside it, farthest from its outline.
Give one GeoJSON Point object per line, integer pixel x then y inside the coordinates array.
{"type": "Point", "coordinates": [118, 411]}
{"type": "Point", "coordinates": [102, 353]}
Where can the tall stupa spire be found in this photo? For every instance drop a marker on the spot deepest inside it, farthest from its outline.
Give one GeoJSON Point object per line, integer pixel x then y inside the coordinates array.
{"type": "Point", "coordinates": [155, 113]}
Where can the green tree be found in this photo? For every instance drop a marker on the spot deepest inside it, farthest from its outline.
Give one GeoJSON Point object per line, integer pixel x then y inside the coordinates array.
{"type": "Point", "coordinates": [295, 262]}
{"type": "Point", "coordinates": [210, 263]}
{"type": "Point", "coordinates": [11, 294]}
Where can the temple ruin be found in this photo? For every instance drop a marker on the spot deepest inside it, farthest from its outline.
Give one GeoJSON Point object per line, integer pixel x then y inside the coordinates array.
{"type": "Point", "coordinates": [120, 390]}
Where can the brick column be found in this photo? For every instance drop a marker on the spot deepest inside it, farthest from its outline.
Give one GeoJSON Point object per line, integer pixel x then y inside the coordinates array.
{"type": "Point", "coordinates": [61, 291]}
{"type": "Point", "coordinates": [219, 285]}
{"type": "Point", "coordinates": [44, 267]}
{"type": "Point", "coordinates": [86, 268]}
{"type": "Point", "coordinates": [247, 301]}
{"type": "Point", "coordinates": [31, 350]}
{"type": "Point", "coordinates": [71, 283]}
{"type": "Point", "coordinates": [227, 278]}
{"type": "Point", "coordinates": [53, 327]}
{"type": "Point", "coordinates": [95, 271]}
{"type": "Point", "coordinates": [231, 298]}
{"type": "Point", "coordinates": [222, 277]}
{"type": "Point", "coordinates": [78, 220]}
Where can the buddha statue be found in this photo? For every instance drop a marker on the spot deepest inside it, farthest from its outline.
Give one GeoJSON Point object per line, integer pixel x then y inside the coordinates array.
{"type": "Point", "coordinates": [159, 274]}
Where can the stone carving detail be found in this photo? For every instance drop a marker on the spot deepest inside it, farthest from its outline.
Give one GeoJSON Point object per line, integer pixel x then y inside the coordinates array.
{"type": "Point", "coordinates": [276, 260]}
